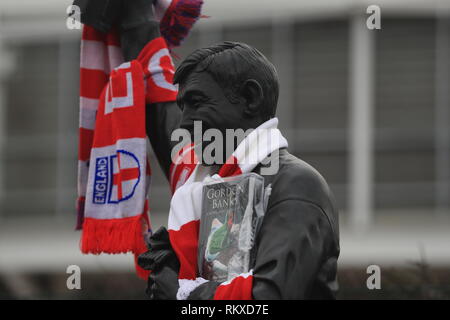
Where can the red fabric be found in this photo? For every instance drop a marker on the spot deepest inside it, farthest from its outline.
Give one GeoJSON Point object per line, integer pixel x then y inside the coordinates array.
{"type": "Point", "coordinates": [102, 130]}
{"type": "Point", "coordinates": [97, 236]}
{"type": "Point", "coordinates": [185, 240]}
{"type": "Point", "coordinates": [116, 122]}
{"type": "Point", "coordinates": [119, 121]}
{"type": "Point", "coordinates": [124, 122]}
{"type": "Point", "coordinates": [185, 244]}
{"type": "Point", "coordinates": [110, 38]}
{"type": "Point", "coordinates": [240, 288]}
{"type": "Point", "coordinates": [86, 137]}
{"type": "Point", "coordinates": [230, 168]}
{"type": "Point", "coordinates": [179, 18]}
{"type": "Point", "coordinates": [159, 70]}
{"type": "Point", "coordinates": [182, 166]}
{"type": "Point", "coordinates": [187, 199]}
{"type": "Point", "coordinates": [92, 82]}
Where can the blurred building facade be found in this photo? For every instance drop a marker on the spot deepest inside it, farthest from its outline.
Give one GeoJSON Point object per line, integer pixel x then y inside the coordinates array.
{"type": "Point", "coordinates": [370, 109]}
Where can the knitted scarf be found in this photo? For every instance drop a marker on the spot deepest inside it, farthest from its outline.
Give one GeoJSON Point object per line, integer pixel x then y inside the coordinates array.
{"type": "Point", "coordinates": [113, 171]}
{"type": "Point", "coordinates": [188, 177]}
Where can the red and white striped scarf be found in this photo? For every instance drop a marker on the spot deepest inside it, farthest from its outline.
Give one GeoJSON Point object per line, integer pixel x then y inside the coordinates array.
{"type": "Point", "coordinates": [113, 171]}
{"type": "Point", "coordinates": [187, 178]}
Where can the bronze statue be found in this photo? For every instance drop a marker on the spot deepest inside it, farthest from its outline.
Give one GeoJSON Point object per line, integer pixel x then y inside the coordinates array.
{"type": "Point", "coordinates": [231, 85]}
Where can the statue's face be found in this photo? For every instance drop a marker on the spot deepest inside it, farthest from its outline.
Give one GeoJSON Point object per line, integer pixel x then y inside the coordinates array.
{"type": "Point", "coordinates": [202, 99]}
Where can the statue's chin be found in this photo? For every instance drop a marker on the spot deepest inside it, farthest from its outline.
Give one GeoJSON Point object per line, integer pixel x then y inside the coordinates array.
{"type": "Point", "coordinates": [209, 158]}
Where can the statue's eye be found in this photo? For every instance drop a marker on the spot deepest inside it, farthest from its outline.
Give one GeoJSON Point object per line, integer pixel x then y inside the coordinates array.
{"type": "Point", "coordinates": [197, 103]}
{"type": "Point", "coordinates": [191, 99]}
{"type": "Point", "coordinates": [194, 101]}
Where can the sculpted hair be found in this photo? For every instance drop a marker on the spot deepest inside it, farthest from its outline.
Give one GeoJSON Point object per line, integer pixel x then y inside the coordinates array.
{"type": "Point", "coordinates": [230, 64]}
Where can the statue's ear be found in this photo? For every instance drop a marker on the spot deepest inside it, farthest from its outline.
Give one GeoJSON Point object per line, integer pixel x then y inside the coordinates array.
{"type": "Point", "coordinates": [253, 94]}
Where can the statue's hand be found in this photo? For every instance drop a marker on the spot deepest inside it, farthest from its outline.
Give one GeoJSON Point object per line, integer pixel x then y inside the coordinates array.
{"type": "Point", "coordinates": [163, 284]}
{"type": "Point", "coordinates": [135, 13]}
{"type": "Point", "coordinates": [138, 26]}
{"type": "Point", "coordinates": [160, 252]}
{"type": "Point", "coordinates": [164, 266]}
{"type": "Point", "coordinates": [100, 14]}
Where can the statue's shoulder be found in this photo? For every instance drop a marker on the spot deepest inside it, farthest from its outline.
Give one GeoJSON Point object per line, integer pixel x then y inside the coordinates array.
{"type": "Point", "coordinates": [298, 182]}
{"type": "Point", "coordinates": [297, 179]}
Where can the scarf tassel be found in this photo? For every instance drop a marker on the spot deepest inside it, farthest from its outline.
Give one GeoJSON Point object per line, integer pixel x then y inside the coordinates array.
{"type": "Point", "coordinates": [179, 19]}
{"type": "Point", "coordinates": [116, 236]}
{"type": "Point", "coordinates": [113, 235]}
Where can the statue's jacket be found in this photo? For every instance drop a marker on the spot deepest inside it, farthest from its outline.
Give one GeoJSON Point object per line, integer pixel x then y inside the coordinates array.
{"type": "Point", "coordinates": [297, 246]}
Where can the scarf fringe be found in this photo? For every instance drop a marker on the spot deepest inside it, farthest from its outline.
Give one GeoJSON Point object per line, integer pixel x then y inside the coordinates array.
{"type": "Point", "coordinates": [113, 235]}
{"type": "Point", "coordinates": [179, 19]}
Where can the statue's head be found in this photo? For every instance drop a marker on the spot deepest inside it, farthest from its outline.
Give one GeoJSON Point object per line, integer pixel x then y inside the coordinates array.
{"type": "Point", "coordinates": [226, 86]}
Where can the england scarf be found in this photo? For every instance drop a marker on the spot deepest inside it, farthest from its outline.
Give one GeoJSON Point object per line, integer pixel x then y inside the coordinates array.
{"type": "Point", "coordinates": [113, 171]}
{"type": "Point", "coordinates": [187, 178]}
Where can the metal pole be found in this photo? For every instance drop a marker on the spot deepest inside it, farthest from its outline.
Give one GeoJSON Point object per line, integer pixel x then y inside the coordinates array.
{"type": "Point", "coordinates": [283, 55]}
{"type": "Point", "coordinates": [442, 114]}
{"type": "Point", "coordinates": [7, 64]}
{"type": "Point", "coordinates": [361, 124]}
{"type": "Point", "coordinates": [2, 130]}
{"type": "Point", "coordinates": [66, 84]}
